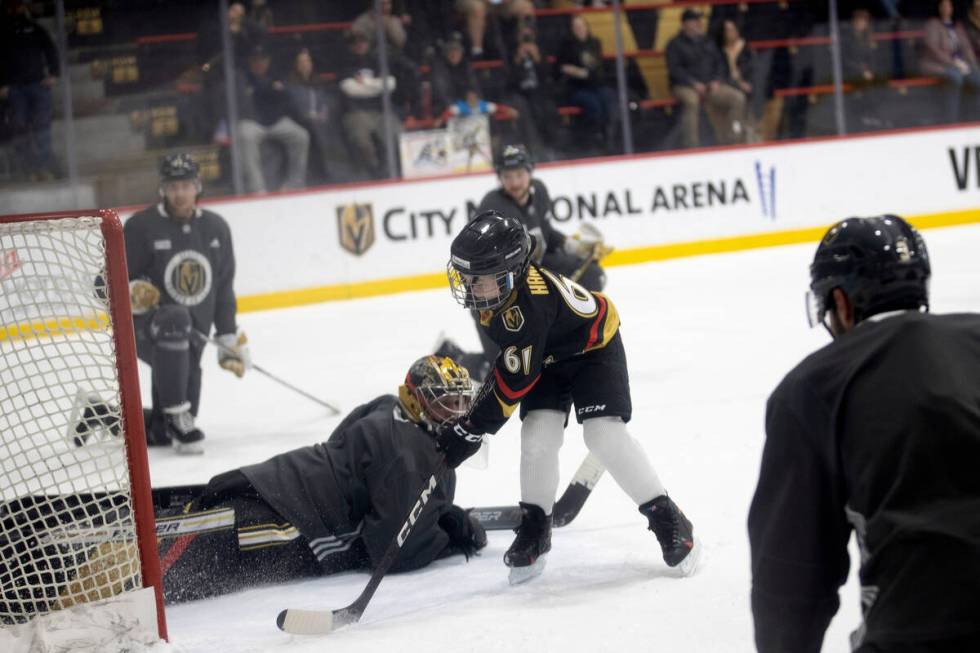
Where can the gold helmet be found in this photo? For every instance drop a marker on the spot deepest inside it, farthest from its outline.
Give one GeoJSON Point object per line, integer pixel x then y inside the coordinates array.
{"type": "Point", "coordinates": [436, 391]}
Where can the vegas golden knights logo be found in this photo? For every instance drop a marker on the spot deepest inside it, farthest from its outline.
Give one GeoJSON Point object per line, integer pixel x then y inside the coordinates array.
{"type": "Point", "coordinates": [513, 318]}
{"type": "Point", "coordinates": [356, 225]}
{"type": "Point", "coordinates": [190, 278]}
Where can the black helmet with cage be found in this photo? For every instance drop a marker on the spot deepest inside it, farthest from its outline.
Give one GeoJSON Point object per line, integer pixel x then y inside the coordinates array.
{"type": "Point", "coordinates": [488, 260]}
{"type": "Point", "coordinates": [881, 263]}
{"type": "Point", "coordinates": [515, 156]}
{"type": "Point", "coordinates": [436, 391]}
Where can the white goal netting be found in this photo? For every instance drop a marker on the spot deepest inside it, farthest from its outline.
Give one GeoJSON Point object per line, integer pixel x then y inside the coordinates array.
{"type": "Point", "coordinates": [67, 531]}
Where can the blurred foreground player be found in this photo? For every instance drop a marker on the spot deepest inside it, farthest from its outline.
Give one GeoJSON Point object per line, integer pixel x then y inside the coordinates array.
{"type": "Point", "coordinates": [559, 345]}
{"type": "Point", "coordinates": [879, 433]}
{"type": "Point", "coordinates": [331, 507]}
{"type": "Point", "coordinates": [523, 197]}
{"type": "Point", "coordinates": [181, 270]}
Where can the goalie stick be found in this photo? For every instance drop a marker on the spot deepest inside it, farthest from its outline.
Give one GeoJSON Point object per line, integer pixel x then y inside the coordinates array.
{"type": "Point", "coordinates": [321, 622]}
{"type": "Point", "coordinates": [499, 518]}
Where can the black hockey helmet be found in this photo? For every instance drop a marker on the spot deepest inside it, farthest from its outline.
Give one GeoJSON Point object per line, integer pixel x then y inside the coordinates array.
{"type": "Point", "coordinates": [494, 246]}
{"type": "Point", "coordinates": [436, 391]}
{"type": "Point", "coordinates": [176, 167]}
{"type": "Point", "coordinates": [880, 263]}
{"type": "Point", "coordinates": [515, 156]}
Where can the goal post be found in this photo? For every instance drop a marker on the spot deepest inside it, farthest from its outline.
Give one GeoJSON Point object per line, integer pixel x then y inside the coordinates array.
{"type": "Point", "coordinates": [77, 531]}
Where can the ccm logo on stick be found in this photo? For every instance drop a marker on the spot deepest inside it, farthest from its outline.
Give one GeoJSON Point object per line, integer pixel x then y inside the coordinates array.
{"type": "Point", "coordinates": [584, 410]}
{"type": "Point", "coordinates": [417, 510]}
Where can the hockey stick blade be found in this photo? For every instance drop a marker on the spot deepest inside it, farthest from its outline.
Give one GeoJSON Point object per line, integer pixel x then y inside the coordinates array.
{"type": "Point", "coordinates": [322, 622]}
{"type": "Point", "coordinates": [502, 518]}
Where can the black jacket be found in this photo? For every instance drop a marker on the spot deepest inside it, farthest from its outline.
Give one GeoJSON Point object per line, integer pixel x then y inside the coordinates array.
{"type": "Point", "coordinates": [878, 432]}
{"type": "Point", "coordinates": [261, 101]}
{"type": "Point", "coordinates": [27, 53]}
{"type": "Point", "coordinates": [192, 265]}
{"type": "Point", "coordinates": [450, 83]}
{"type": "Point", "coordinates": [693, 60]}
{"type": "Point", "coordinates": [359, 486]}
{"type": "Point", "coordinates": [585, 54]}
{"type": "Point", "coordinates": [535, 216]}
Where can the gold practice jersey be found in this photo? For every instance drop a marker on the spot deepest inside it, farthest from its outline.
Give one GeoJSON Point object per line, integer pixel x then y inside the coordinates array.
{"type": "Point", "coordinates": [549, 318]}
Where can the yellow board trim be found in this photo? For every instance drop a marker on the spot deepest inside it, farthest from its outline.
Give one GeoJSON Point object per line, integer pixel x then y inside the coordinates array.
{"type": "Point", "coordinates": [618, 257]}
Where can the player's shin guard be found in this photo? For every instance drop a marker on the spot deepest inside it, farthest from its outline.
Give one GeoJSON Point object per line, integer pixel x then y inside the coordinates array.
{"type": "Point", "coordinates": [542, 433]}
{"type": "Point", "coordinates": [623, 457]}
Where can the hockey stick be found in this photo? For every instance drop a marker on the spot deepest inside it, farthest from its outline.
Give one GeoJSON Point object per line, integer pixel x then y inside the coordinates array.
{"type": "Point", "coordinates": [333, 409]}
{"type": "Point", "coordinates": [499, 518]}
{"type": "Point", "coordinates": [322, 622]}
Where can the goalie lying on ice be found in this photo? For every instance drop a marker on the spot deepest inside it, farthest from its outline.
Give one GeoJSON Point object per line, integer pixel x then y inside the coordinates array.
{"type": "Point", "coordinates": [326, 508]}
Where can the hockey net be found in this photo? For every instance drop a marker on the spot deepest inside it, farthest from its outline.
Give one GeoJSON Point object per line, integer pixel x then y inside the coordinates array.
{"type": "Point", "coordinates": [77, 543]}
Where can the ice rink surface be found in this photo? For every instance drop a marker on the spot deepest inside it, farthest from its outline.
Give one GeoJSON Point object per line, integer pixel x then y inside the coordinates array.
{"type": "Point", "coordinates": [707, 338]}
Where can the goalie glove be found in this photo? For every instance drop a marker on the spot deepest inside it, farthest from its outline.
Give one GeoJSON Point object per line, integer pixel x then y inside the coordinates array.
{"type": "Point", "coordinates": [466, 533]}
{"type": "Point", "coordinates": [143, 296]}
{"type": "Point", "coordinates": [233, 353]}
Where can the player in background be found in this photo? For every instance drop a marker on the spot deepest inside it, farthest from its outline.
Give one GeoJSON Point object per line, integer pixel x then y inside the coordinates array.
{"type": "Point", "coordinates": [181, 270]}
{"type": "Point", "coordinates": [331, 507]}
{"type": "Point", "coordinates": [526, 198]}
{"type": "Point", "coordinates": [559, 344]}
{"type": "Point", "coordinates": [878, 432]}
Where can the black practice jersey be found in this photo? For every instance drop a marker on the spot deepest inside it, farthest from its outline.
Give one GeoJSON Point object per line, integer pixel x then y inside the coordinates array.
{"type": "Point", "coordinates": [191, 263]}
{"type": "Point", "coordinates": [878, 432]}
{"type": "Point", "coordinates": [361, 483]}
{"type": "Point", "coordinates": [547, 319]}
{"type": "Point", "coordinates": [535, 215]}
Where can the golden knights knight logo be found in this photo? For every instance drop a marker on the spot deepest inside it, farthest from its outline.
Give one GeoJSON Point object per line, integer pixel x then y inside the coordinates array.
{"type": "Point", "coordinates": [187, 277]}
{"type": "Point", "coordinates": [513, 318]}
{"type": "Point", "coordinates": [355, 223]}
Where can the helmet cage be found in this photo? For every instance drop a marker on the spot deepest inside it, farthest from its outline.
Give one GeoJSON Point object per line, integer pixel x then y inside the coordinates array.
{"type": "Point", "coordinates": [436, 391]}
{"type": "Point", "coordinates": [469, 289]}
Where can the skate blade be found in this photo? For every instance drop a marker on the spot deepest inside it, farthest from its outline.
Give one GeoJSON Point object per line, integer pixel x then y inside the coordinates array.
{"type": "Point", "coordinates": [689, 564]}
{"type": "Point", "coordinates": [188, 448]}
{"type": "Point", "coordinates": [520, 575]}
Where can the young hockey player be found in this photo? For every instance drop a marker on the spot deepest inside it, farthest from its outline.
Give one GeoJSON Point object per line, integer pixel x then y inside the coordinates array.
{"type": "Point", "coordinates": [559, 344]}
{"type": "Point", "coordinates": [879, 433]}
{"type": "Point", "coordinates": [330, 507]}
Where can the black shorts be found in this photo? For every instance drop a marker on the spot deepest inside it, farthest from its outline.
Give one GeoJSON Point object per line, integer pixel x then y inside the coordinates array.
{"type": "Point", "coordinates": [598, 383]}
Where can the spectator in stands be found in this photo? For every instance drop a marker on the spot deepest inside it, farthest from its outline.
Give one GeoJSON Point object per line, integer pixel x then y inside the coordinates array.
{"type": "Point", "coordinates": [946, 53]}
{"type": "Point", "coordinates": [29, 67]}
{"type": "Point", "coordinates": [452, 75]}
{"type": "Point", "coordinates": [364, 121]}
{"type": "Point", "coordinates": [696, 73]}
{"type": "Point", "coordinates": [859, 65]}
{"type": "Point", "coordinates": [739, 66]}
{"type": "Point", "coordinates": [313, 109]}
{"type": "Point", "coordinates": [475, 15]}
{"type": "Point", "coordinates": [972, 27]}
{"type": "Point", "coordinates": [246, 34]}
{"type": "Point", "coordinates": [531, 94]}
{"type": "Point", "coordinates": [394, 25]}
{"type": "Point", "coordinates": [264, 114]}
{"type": "Point", "coordinates": [580, 69]}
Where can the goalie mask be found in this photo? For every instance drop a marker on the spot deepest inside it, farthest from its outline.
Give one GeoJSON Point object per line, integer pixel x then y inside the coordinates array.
{"type": "Point", "coordinates": [488, 261]}
{"type": "Point", "coordinates": [880, 263]}
{"type": "Point", "coordinates": [436, 391]}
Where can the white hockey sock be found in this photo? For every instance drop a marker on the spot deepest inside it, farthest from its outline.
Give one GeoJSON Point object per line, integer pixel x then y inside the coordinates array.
{"type": "Point", "coordinates": [622, 455]}
{"type": "Point", "coordinates": [542, 434]}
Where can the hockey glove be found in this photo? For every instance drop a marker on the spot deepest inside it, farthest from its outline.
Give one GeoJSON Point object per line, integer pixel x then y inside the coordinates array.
{"type": "Point", "coordinates": [143, 296]}
{"type": "Point", "coordinates": [233, 353]}
{"type": "Point", "coordinates": [457, 443]}
{"type": "Point", "coordinates": [466, 534]}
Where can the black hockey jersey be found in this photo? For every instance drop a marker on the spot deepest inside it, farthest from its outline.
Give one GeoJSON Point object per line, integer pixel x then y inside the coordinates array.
{"type": "Point", "coordinates": [878, 432]}
{"type": "Point", "coordinates": [360, 485]}
{"type": "Point", "coordinates": [535, 216]}
{"type": "Point", "coordinates": [547, 319]}
{"type": "Point", "coordinates": [192, 263]}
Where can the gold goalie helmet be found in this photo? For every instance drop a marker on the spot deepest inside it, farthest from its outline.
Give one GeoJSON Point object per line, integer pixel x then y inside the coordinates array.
{"type": "Point", "coordinates": [436, 391]}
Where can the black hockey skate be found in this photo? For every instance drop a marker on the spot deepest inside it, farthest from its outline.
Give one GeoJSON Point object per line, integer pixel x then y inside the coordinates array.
{"type": "Point", "coordinates": [91, 416]}
{"type": "Point", "coordinates": [187, 438]}
{"type": "Point", "coordinates": [526, 556]}
{"type": "Point", "coordinates": [674, 532]}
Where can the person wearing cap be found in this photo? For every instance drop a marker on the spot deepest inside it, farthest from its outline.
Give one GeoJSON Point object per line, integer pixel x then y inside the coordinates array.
{"type": "Point", "coordinates": [696, 73]}
{"type": "Point", "coordinates": [182, 270]}
{"type": "Point", "coordinates": [266, 114]}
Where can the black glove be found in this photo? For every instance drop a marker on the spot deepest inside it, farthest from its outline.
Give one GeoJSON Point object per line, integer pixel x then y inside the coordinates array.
{"type": "Point", "coordinates": [457, 443]}
{"type": "Point", "coordinates": [466, 534]}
